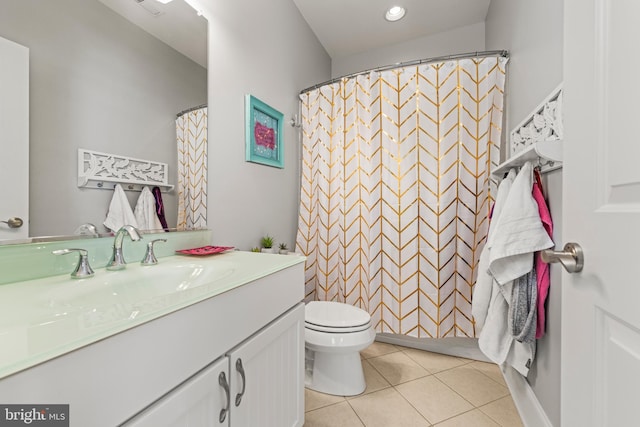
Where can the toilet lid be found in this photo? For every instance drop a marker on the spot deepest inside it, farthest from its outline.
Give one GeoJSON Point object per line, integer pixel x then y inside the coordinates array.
{"type": "Point", "coordinates": [330, 314]}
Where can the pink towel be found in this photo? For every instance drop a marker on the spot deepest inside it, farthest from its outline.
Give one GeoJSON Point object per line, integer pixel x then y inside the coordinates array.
{"type": "Point", "coordinates": [542, 268]}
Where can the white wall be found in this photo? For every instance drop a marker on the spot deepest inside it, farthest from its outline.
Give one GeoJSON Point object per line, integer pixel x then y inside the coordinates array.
{"type": "Point", "coordinates": [465, 39]}
{"type": "Point", "coordinates": [270, 53]}
{"type": "Point", "coordinates": [532, 32]}
{"type": "Point", "coordinates": [96, 82]}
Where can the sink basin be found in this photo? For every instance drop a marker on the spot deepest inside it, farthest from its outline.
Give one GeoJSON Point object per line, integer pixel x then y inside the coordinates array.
{"type": "Point", "coordinates": [113, 298]}
{"type": "Point", "coordinates": [135, 283]}
{"type": "Point", "coordinates": [110, 298]}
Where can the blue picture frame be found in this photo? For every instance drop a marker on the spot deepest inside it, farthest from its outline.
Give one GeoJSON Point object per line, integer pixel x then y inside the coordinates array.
{"type": "Point", "coordinates": [263, 133]}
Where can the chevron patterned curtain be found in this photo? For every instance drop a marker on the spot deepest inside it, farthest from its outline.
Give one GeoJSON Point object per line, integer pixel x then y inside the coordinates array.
{"type": "Point", "coordinates": [396, 191]}
{"type": "Point", "coordinates": [191, 130]}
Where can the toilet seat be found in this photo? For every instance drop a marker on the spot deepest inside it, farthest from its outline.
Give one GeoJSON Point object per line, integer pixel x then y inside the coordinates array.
{"type": "Point", "coordinates": [337, 330]}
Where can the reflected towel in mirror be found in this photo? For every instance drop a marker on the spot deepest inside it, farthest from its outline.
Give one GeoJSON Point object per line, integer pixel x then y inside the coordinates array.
{"type": "Point", "coordinates": [160, 207]}
{"type": "Point", "coordinates": [120, 212]}
{"type": "Point", "coordinates": [145, 211]}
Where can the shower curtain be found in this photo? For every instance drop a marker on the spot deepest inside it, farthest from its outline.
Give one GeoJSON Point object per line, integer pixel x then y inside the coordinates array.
{"type": "Point", "coordinates": [191, 130]}
{"type": "Point", "coordinates": [396, 191]}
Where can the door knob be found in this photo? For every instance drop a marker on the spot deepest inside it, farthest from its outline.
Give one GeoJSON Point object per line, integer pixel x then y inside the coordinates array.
{"type": "Point", "coordinates": [571, 257]}
{"type": "Point", "coordinates": [14, 222]}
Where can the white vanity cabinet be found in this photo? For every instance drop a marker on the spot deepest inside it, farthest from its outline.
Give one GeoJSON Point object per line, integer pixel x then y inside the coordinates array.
{"type": "Point", "coordinates": [257, 383]}
{"type": "Point", "coordinates": [165, 371]}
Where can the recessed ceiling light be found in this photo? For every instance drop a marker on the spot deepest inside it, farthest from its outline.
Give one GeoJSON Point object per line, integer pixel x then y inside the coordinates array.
{"type": "Point", "coordinates": [165, 1]}
{"type": "Point", "coordinates": [395, 13]}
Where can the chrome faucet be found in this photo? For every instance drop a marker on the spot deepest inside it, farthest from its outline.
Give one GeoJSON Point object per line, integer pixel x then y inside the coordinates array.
{"type": "Point", "coordinates": [117, 261]}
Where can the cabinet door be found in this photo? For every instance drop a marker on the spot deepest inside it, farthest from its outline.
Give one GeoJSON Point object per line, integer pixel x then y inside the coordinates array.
{"type": "Point", "coordinates": [267, 375]}
{"type": "Point", "coordinates": [198, 402]}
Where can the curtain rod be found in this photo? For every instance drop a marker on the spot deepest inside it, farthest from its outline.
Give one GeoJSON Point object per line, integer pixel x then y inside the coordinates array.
{"type": "Point", "coordinates": [188, 110]}
{"type": "Point", "coordinates": [485, 53]}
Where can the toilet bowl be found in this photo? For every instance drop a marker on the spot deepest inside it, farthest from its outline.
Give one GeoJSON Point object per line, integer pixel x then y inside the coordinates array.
{"type": "Point", "coordinates": [335, 333]}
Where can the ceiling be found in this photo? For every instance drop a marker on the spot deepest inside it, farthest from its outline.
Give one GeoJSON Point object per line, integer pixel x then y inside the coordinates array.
{"type": "Point", "coordinates": [344, 27]}
{"type": "Point", "coordinates": [176, 24]}
{"type": "Point", "coordinates": [347, 27]}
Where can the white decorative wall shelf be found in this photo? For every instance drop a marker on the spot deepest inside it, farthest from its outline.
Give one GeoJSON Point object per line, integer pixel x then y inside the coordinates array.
{"type": "Point", "coordinates": [104, 170]}
{"type": "Point", "coordinates": [538, 138]}
{"type": "Point", "coordinates": [546, 154]}
{"type": "Point", "coordinates": [544, 124]}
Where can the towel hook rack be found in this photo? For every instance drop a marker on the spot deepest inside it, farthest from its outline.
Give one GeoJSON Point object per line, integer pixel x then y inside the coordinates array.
{"type": "Point", "coordinates": [547, 154]}
{"type": "Point", "coordinates": [538, 138]}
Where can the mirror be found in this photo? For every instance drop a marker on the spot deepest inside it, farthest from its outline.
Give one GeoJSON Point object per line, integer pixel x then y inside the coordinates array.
{"type": "Point", "coordinates": [98, 81]}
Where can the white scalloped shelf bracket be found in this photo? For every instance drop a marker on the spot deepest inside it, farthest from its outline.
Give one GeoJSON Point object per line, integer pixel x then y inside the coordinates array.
{"type": "Point", "coordinates": [104, 171]}
{"type": "Point", "coordinates": [547, 154]}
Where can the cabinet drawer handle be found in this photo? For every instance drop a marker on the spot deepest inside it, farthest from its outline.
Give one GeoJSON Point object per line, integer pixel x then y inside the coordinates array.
{"type": "Point", "coordinates": [222, 380]}
{"type": "Point", "coordinates": [240, 370]}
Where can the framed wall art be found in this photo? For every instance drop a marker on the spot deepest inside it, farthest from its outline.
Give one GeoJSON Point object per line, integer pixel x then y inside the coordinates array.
{"type": "Point", "coordinates": [263, 133]}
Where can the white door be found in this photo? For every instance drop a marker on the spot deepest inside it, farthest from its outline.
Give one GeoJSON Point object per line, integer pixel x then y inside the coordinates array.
{"type": "Point", "coordinates": [267, 375]}
{"type": "Point", "coordinates": [14, 139]}
{"type": "Point", "coordinates": [196, 403]}
{"type": "Point", "coordinates": [601, 193]}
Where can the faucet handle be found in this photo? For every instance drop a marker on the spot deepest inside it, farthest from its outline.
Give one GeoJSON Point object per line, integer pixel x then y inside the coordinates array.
{"type": "Point", "coordinates": [83, 269]}
{"type": "Point", "coordinates": [150, 257]}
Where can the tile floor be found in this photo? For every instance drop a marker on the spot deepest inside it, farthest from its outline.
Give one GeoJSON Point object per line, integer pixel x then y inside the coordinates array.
{"type": "Point", "coordinates": [407, 388]}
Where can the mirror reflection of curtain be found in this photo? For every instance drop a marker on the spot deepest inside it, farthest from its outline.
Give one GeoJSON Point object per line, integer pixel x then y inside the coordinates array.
{"type": "Point", "coordinates": [191, 130]}
{"type": "Point", "coordinates": [396, 191]}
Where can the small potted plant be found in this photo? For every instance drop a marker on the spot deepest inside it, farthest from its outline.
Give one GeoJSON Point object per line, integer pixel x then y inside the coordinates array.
{"type": "Point", "coordinates": [267, 244]}
{"type": "Point", "coordinates": [256, 249]}
{"type": "Point", "coordinates": [283, 249]}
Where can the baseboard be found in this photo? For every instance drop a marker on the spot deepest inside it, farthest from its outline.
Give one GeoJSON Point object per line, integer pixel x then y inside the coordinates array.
{"type": "Point", "coordinates": [459, 347]}
{"type": "Point", "coordinates": [524, 398]}
{"type": "Point", "coordinates": [526, 402]}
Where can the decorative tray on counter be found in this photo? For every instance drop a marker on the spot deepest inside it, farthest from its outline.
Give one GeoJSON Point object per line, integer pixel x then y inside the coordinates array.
{"type": "Point", "coordinates": [205, 250]}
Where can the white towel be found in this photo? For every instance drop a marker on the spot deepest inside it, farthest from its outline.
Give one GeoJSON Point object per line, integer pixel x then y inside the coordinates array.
{"type": "Point", "coordinates": [517, 235]}
{"type": "Point", "coordinates": [120, 212]}
{"type": "Point", "coordinates": [519, 232]}
{"type": "Point", "coordinates": [484, 283]}
{"type": "Point", "coordinates": [145, 211]}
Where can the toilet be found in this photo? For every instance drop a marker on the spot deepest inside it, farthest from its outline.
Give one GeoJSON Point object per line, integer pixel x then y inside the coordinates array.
{"type": "Point", "coordinates": [334, 335]}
